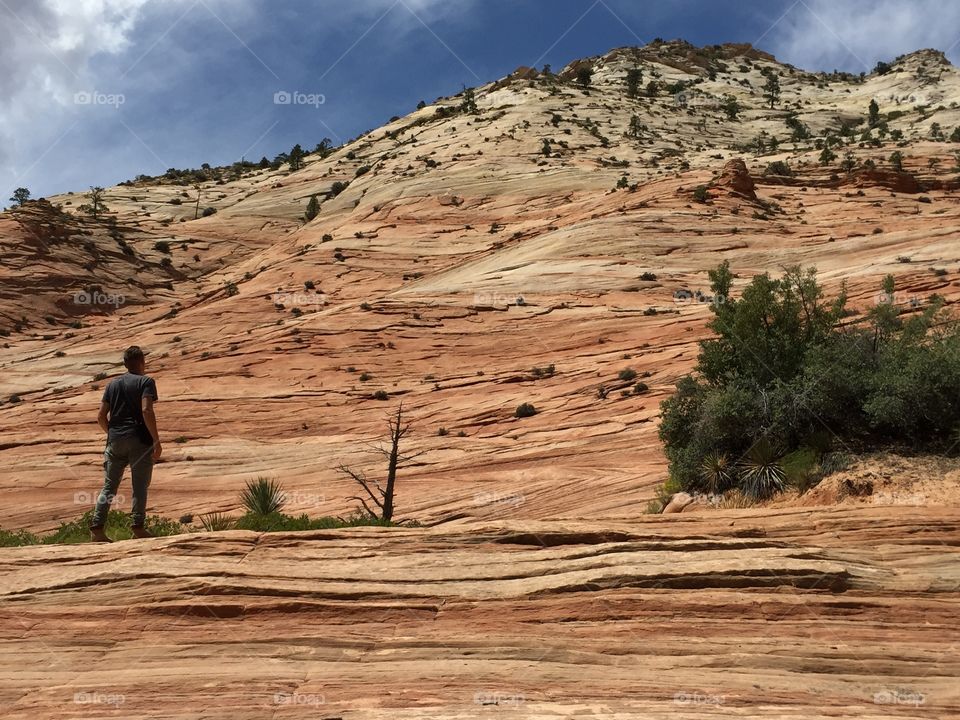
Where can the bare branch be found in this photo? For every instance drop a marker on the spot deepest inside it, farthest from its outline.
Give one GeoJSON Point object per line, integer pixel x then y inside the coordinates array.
{"type": "Point", "coordinates": [370, 512]}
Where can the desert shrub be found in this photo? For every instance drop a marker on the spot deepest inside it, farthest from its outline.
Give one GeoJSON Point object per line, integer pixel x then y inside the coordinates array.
{"type": "Point", "coordinates": [525, 410]}
{"type": "Point", "coordinates": [627, 374]}
{"type": "Point", "coordinates": [117, 527]}
{"type": "Point", "coordinates": [18, 538]}
{"type": "Point", "coordinates": [263, 496]}
{"type": "Point", "coordinates": [216, 521]}
{"type": "Point", "coordinates": [779, 370]}
{"type": "Point", "coordinates": [208, 211]}
{"type": "Point", "coordinates": [701, 194]}
{"type": "Point", "coordinates": [779, 167]}
{"type": "Point", "coordinates": [277, 522]}
{"type": "Point", "coordinates": [162, 246]}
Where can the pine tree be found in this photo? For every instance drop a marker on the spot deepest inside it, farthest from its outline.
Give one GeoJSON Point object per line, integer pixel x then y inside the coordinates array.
{"type": "Point", "coordinates": [96, 207]}
{"type": "Point", "coordinates": [730, 106]}
{"type": "Point", "coordinates": [469, 104]}
{"type": "Point", "coordinates": [771, 90]}
{"type": "Point", "coordinates": [20, 196]}
{"type": "Point", "coordinates": [313, 208]}
{"type": "Point", "coordinates": [295, 158]}
{"type": "Point", "coordinates": [634, 78]}
{"type": "Point", "coordinates": [874, 113]}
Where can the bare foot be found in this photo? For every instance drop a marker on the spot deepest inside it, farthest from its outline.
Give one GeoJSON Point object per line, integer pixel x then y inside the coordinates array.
{"type": "Point", "coordinates": [97, 535]}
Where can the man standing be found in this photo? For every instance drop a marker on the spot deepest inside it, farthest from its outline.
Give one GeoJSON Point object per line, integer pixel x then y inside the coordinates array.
{"type": "Point", "coordinates": [127, 416]}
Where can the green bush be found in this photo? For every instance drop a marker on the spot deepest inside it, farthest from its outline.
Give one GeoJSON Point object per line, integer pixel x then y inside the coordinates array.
{"type": "Point", "coordinates": [779, 368]}
{"type": "Point", "coordinates": [274, 522]}
{"type": "Point", "coordinates": [18, 538]}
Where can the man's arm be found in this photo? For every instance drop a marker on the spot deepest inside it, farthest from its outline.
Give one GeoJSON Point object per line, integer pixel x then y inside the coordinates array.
{"type": "Point", "coordinates": [150, 419]}
{"type": "Point", "coordinates": [102, 419]}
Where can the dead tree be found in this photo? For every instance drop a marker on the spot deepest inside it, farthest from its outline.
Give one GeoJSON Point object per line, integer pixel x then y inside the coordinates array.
{"type": "Point", "coordinates": [382, 497]}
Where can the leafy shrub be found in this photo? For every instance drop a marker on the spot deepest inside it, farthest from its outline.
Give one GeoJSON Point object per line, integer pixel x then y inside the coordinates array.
{"type": "Point", "coordinates": [162, 246]}
{"type": "Point", "coordinates": [779, 368]}
{"type": "Point", "coordinates": [627, 374]}
{"type": "Point", "coordinates": [208, 211]}
{"type": "Point", "coordinates": [701, 194]}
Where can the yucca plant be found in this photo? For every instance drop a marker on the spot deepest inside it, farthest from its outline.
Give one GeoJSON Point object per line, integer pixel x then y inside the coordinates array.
{"type": "Point", "coordinates": [761, 473]}
{"type": "Point", "coordinates": [716, 472]}
{"type": "Point", "coordinates": [263, 496]}
{"type": "Point", "coordinates": [212, 522]}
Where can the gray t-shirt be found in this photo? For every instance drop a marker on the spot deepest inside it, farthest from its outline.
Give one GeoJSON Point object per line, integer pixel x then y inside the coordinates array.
{"type": "Point", "coordinates": [125, 396]}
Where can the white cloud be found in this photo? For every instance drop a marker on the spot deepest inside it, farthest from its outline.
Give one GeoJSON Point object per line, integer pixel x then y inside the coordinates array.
{"type": "Point", "coordinates": [854, 34]}
{"type": "Point", "coordinates": [46, 49]}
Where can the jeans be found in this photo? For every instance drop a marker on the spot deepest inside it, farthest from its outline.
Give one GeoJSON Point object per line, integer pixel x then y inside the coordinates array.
{"type": "Point", "coordinates": [121, 452]}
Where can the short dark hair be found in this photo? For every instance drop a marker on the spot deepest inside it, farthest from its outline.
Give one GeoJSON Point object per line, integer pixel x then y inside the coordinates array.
{"type": "Point", "coordinates": [132, 357]}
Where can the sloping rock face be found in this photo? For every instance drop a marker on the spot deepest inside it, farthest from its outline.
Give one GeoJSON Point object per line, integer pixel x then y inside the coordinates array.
{"type": "Point", "coordinates": [756, 614]}
{"type": "Point", "coordinates": [465, 264]}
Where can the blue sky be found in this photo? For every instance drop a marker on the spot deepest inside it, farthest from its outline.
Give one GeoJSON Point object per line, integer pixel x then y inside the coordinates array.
{"type": "Point", "coordinates": [93, 92]}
